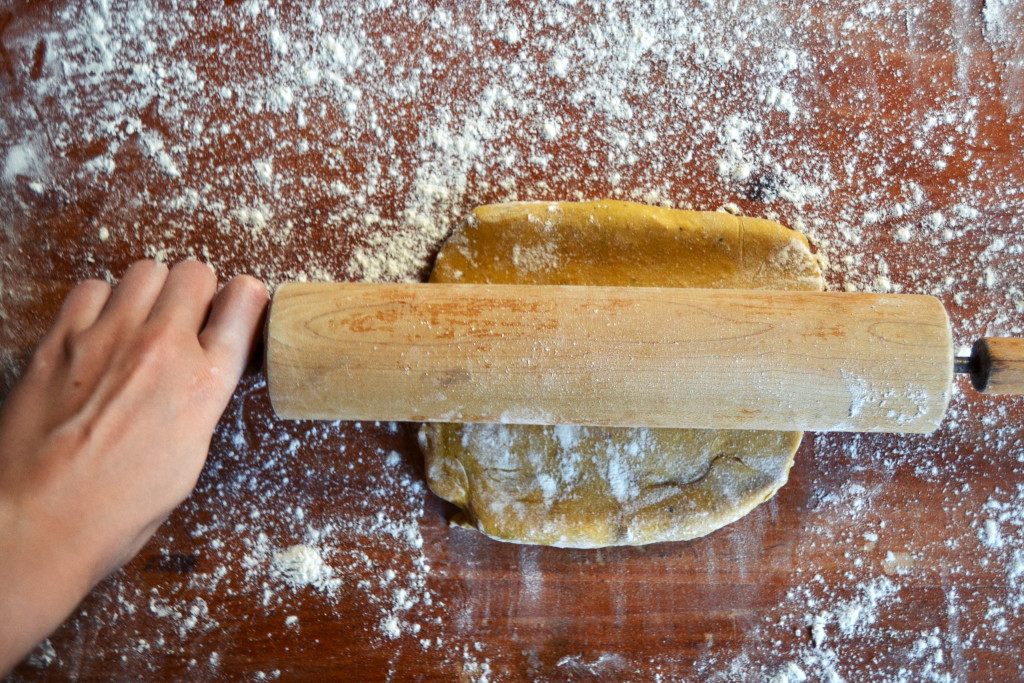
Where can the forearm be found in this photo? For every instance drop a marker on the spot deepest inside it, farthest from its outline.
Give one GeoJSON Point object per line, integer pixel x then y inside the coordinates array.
{"type": "Point", "coordinates": [43, 580]}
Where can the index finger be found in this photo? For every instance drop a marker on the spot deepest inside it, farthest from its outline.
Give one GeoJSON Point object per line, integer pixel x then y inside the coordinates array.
{"type": "Point", "coordinates": [235, 322]}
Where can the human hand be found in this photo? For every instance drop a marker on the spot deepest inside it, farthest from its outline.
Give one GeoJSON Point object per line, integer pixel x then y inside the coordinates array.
{"type": "Point", "coordinates": [108, 430]}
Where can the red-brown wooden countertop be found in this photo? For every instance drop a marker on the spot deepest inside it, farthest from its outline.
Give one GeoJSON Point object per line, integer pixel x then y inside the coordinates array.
{"type": "Point", "coordinates": [344, 141]}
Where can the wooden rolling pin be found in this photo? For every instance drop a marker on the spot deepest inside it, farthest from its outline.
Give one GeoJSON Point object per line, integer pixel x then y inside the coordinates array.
{"type": "Point", "coordinates": [621, 356]}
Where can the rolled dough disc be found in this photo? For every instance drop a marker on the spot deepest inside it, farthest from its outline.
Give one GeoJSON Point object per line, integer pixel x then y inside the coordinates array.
{"type": "Point", "coordinates": [586, 487]}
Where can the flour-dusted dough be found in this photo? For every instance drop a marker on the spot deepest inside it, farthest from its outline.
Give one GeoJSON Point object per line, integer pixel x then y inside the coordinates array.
{"type": "Point", "coordinates": [588, 487]}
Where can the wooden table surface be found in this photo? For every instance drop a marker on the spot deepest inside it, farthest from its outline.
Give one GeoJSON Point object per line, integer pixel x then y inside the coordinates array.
{"type": "Point", "coordinates": [344, 142]}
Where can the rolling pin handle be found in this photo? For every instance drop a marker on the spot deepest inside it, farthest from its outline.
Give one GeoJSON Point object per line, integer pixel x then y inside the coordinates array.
{"type": "Point", "coordinates": [996, 365]}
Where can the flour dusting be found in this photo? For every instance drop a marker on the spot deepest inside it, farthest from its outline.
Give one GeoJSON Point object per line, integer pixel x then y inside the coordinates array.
{"type": "Point", "coordinates": [344, 141]}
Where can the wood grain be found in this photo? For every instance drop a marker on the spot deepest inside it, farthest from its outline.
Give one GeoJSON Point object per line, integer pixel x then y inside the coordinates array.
{"type": "Point", "coordinates": [610, 356]}
{"type": "Point", "coordinates": [879, 89]}
{"type": "Point", "coordinates": [999, 369]}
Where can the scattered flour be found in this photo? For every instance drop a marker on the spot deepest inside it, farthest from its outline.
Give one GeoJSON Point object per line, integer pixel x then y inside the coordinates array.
{"type": "Point", "coordinates": [312, 130]}
{"type": "Point", "coordinates": [302, 566]}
